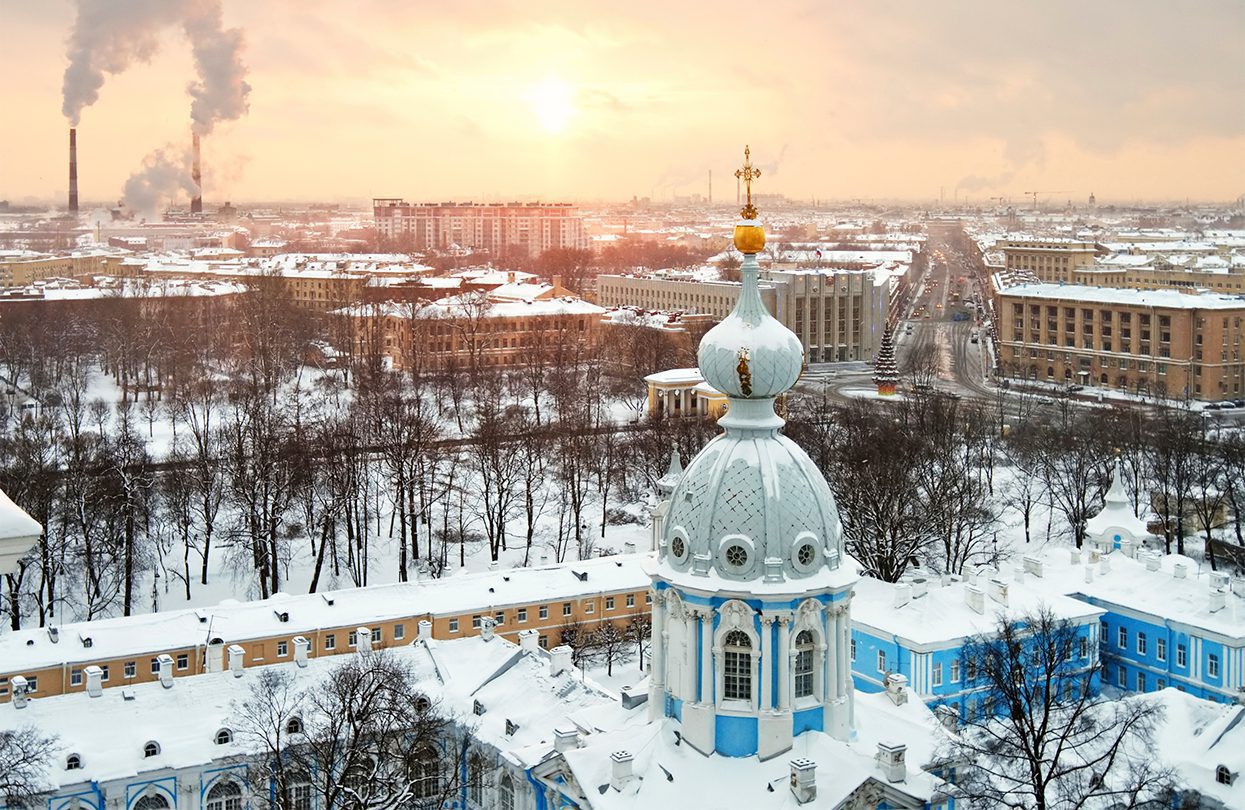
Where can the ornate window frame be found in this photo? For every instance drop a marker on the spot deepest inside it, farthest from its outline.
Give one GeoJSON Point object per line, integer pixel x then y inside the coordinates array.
{"type": "Point", "coordinates": [732, 541]}
{"type": "Point", "coordinates": [680, 534]}
{"type": "Point", "coordinates": [810, 616]}
{"type": "Point", "coordinates": [803, 539]}
{"type": "Point", "coordinates": [736, 615]}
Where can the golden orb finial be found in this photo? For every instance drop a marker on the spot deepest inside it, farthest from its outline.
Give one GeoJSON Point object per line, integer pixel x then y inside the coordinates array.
{"type": "Point", "coordinates": [749, 235]}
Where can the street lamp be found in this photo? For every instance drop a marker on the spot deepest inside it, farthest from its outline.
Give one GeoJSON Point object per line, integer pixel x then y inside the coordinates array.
{"type": "Point", "coordinates": [18, 534]}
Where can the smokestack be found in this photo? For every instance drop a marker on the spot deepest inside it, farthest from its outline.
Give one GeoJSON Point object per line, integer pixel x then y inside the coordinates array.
{"type": "Point", "coordinates": [196, 202]}
{"type": "Point", "coordinates": [73, 171]}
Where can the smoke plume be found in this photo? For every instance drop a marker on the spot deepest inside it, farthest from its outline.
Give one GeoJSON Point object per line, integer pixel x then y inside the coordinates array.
{"type": "Point", "coordinates": [111, 35]}
{"type": "Point", "coordinates": [164, 173]}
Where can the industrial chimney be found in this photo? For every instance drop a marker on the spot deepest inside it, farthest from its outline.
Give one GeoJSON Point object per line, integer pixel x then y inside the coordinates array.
{"type": "Point", "coordinates": [73, 171]}
{"type": "Point", "coordinates": [196, 202]}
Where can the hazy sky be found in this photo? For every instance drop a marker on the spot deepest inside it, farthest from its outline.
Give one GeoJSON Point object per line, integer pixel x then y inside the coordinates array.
{"type": "Point", "coordinates": [458, 100]}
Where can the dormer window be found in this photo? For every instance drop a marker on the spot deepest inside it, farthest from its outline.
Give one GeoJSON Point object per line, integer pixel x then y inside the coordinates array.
{"type": "Point", "coordinates": [224, 737]}
{"type": "Point", "coordinates": [73, 762]}
{"type": "Point", "coordinates": [1224, 776]}
{"type": "Point", "coordinates": [151, 749]}
{"type": "Point", "coordinates": [294, 725]}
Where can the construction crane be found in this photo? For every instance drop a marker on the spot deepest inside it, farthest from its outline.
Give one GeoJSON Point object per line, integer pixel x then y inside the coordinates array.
{"type": "Point", "coordinates": [1034, 195]}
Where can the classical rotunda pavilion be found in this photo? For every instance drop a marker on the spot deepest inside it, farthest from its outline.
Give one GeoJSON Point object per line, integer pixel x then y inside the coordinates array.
{"type": "Point", "coordinates": [751, 623]}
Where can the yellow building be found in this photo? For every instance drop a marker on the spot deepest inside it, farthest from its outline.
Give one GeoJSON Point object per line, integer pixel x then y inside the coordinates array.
{"type": "Point", "coordinates": [683, 392]}
{"type": "Point", "coordinates": [21, 268]}
{"type": "Point", "coordinates": [1052, 260]}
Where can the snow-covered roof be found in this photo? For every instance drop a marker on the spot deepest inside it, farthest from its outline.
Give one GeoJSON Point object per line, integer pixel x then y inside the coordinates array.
{"type": "Point", "coordinates": [110, 731]}
{"type": "Point", "coordinates": [943, 618]}
{"type": "Point", "coordinates": [676, 376]}
{"type": "Point", "coordinates": [1198, 736]}
{"type": "Point", "coordinates": [1166, 299]}
{"type": "Point", "coordinates": [119, 637]}
{"type": "Point", "coordinates": [1128, 584]}
{"type": "Point", "coordinates": [668, 772]}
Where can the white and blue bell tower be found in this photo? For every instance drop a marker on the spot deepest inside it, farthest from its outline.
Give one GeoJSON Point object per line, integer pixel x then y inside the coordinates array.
{"type": "Point", "coordinates": [751, 627]}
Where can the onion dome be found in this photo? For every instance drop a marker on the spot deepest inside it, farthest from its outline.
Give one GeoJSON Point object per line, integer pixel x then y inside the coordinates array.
{"type": "Point", "coordinates": [751, 506]}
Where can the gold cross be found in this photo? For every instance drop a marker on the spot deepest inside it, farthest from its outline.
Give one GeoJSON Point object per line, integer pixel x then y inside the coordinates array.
{"type": "Point", "coordinates": [748, 174]}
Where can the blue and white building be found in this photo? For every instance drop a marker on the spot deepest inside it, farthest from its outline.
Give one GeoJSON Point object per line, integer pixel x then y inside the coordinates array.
{"type": "Point", "coordinates": [917, 630]}
{"type": "Point", "coordinates": [1169, 621]}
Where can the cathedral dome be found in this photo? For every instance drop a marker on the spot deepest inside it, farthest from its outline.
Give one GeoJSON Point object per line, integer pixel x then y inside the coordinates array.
{"type": "Point", "coordinates": [752, 506]}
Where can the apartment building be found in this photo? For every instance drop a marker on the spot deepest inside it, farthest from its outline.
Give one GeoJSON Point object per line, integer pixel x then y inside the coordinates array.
{"type": "Point", "coordinates": [21, 268]}
{"type": "Point", "coordinates": [1153, 342]}
{"type": "Point", "coordinates": [501, 229]}
{"type": "Point", "coordinates": [1049, 259]}
{"type": "Point", "coordinates": [472, 331]}
{"type": "Point", "coordinates": [128, 649]}
{"type": "Point", "coordinates": [838, 315]}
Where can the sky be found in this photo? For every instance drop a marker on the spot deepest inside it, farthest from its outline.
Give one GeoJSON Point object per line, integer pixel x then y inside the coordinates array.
{"type": "Point", "coordinates": [1127, 99]}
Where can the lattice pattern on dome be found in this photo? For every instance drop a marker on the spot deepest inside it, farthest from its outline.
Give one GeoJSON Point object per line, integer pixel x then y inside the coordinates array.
{"type": "Point", "coordinates": [799, 511]}
{"type": "Point", "coordinates": [690, 502]}
{"type": "Point", "coordinates": [741, 504]}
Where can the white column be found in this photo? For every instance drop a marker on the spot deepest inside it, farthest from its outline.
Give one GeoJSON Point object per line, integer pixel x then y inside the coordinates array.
{"type": "Point", "coordinates": [784, 663]}
{"type": "Point", "coordinates": [767, 655]}
{"type": "Point", "coordinates": [657, 658]}
{"type": "Point", "coordinates": [845, 673]}
{"type": "Point", "coordinates": [830, 664]}
{"type": "Point", "coordinates": [689, 652]}
{"type": "Point", "coordinates": [706, 655]}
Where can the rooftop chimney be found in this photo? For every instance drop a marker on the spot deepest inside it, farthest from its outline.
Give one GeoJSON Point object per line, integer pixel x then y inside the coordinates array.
{"type": "Point", "coordinates": [425, 630]}
{"type": "Point", "coordinates": [486, 628]}
{"type": "Point", "coordinates": [565, 738]}
{"type": "Point", "coordinates": [301, 646]}
{"type": "Point", "coordinates": [529, 641]}
{"type": "Point", "coordinates": [164, 663]}
{"type": "Point", "coordinates": [236, 657]}
{"type": "Point", "coordinates": [1180, 570]}
{"type": "Point", "coordinates": [196, 202]}
{"type": "Point", "coordinates": [559, 659]}
{"type": "Point", "coordinates": [1074, 556]}
{"type": "Point", "coordinates": [1218, 601]}
{"type": "Point", "coordinates": [73, 171]}
{"type": "Point", "coordinates": [897, 688]}
{"type": "Point", "coordinates": [998, 591]}
{"type": "Point", "coordinates": [903, 592]}
{"type": "Point", "coordinates": [975, 597]}
{"type": "Point", "coordinates": [94, 680]}
{"type": "Point", "coordinates": [1104, 567]}
{"type": "Point", "coordinates": [363, 640]}
{"type": "Point", "coordinates": [620, 769]}
{"type": "Point", "coordinates": [20, 698]}
{"type": "Point", "coordinates": [1089, 573]}
{"type": "Point", "coordinates": [920, 587]}
{"type": "Point", "coordinates": [804, 780]}
{"type": "Point", "coordinates": [1152, 562]}
{"type": "Point", "coordinates": [891, 761]}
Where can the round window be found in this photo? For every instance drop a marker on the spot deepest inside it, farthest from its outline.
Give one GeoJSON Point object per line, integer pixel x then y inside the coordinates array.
{"type": "Point", "coordinates": [806, 554]}
{"type": "Point", "coordinates": [677, 548]}
{"type": "Point", "coordinates": [737, 556]}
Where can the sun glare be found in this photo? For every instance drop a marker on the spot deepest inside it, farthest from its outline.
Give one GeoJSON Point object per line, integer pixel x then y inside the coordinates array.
{"type": "Point", "coordinates": [553, 102]}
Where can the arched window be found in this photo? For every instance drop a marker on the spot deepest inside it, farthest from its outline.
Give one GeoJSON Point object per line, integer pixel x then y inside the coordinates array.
{"type": "Point", "coordinates": [804, 664]}
{"type": "Point", "coordinates": [475, 779]}
{"type": "Point", "coordinates": [152, 801]}
{"type": "Point", "coordinates": [737, 666]}
{"type": "Point", "coordinates": [505, 793]}
{"type": "Point", "coordinates": [294, 725]}
{"type": "Point", "coordinates": [425, 774]}
{"type": "Point", "coordinates": [297, 793]}
{"type": "Point", "coordinates": [73, 762]}
{"type": "Point", "coordinates": [1222, 775]}
{"type": "Point", "coordinates": [225, 795]}
{"type": "Point", "coordinates": [151, 749]}
{"type": "Point", "coordinates": [224, 737]}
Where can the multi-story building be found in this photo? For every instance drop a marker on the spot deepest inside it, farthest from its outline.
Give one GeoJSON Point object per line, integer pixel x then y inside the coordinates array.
{"type": "Point", "coordinates": [837, 315]}
{"type": "Point", "coordinates": [1154, 342]}
{"type": "Point", "coordinates": [501, 229]}
{"type": "Point", "coordinates": [472, 331]}
{"type": "Point", "coordinates": [21, 268]}
{"type": "Point", "coordinates": [127, 649]}
{"type": "Point", "coordinates": [1169, 622]}
{"type": "Point", "coordinates": [1049, 259]}
{"type": "Point", "coordinates": [918, 629]}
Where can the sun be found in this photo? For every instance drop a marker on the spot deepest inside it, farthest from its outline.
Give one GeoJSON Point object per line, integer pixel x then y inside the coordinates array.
{"type": "Point", "coordinates": [553, 102]}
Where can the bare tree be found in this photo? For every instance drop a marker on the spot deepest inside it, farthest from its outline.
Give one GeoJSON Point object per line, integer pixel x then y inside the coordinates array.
{"type": "Point", "coordinates": [612, 644]}
{"type": "Point", "coordinates": [25, 755]}
{"type": "Point", "coordinates": [1046, 740]}
{"type": "Point", "coordinates": [271, 728]}
{"type": "Point", "coordinates": [374, 741]}
{"type": "Point", "coordinates": [640, 633]}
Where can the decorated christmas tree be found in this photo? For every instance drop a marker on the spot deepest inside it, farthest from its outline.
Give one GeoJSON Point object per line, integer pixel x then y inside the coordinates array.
{"type": "Point", "coordinates": [885, 370]}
